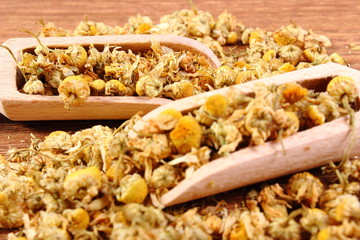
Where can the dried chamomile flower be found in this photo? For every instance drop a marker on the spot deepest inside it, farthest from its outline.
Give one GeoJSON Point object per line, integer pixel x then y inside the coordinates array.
{"type": "Point", "coordinates": [329, 107]}
{"type": "Point", "coordinates": [45, 201]}
{"type": "Point", "coordinates": [10, 213]}
{"type": "Point", "coordinates": [115, 87]}
{"type": "Point", "coordinates": [269, 55]}
{"type": "Point", "coordinates": [336, 58]}
{"type": "Point", "coordinates": [192, 160]}
{"type": "Point", "coordinates": [139, 24]}
{"type": "Point", "coordinates": [90, 28]}
{"type": "Point", "coordinates": [224, 76]}
{"type": "Point", "coordinates": [238, 231]}
{"type": "Point", "coordinates": [78, 218]}
{"type": "Point", "coordinates": [107, 149]}
{"type": "Point", "coordinates": [203, 80]}
{"type": "Point", "coordinates": [284, 229]}
{"type": "Point", "coordinates": [50, 30]}
{"type": "Point", "coordinates": [28, 64]}
{"type": "Point", "coordinates": [226, 136]}
{"type": "Point", "coordinates": [52, 180]}
{"type": "Point", "coordinates": [246, 34]}
{"type": "Point", "coordinates": [305, 188]}
{"type": "Point", "coordinates": [192, 226]}
{"type": "Point", "coordinates": [140, 85]}
{"type": "Point", "coordinates": [274, 202]}
{"type": "Point", "coordinates": [342, 87]}
{"type": "Point", "coordinates": [225, 28]}
{"type": "Point", "coordinates": [46, 225]}
{"type": "Point", "coordinates": [314, 220]}
{"type": "Point", "coordinates": [315, 56]}
{"type": "Point", "coordinates": [346, 230]}
{"type": "Point", "coordinates": [133, 221]}
{"type": "Point", "coordinates": [314, 116]}
{"type": "Point", "coordinates": [116, 171]}
{"type": "Point", "coordinates": [97, 87]}
{"type": "Point", "coordinates": [215, 107]}
{"type": "Point", "coordinates": [251, 200]}
{"type": "Point", "coordinates": [259, 122]}
{"type": "Point", "coordinates": [74, 90]}
{"type": "Point", "coordinates": [343, 207]}
{"type": "Point", "coordinates": [245, 76]}
{"type": "Point", "coordinates": [151, 148]}
{"type": "Point", "coordinates": [167, 119]}
{"type": "Point", "coordinates": [133, 189]}
{"type": "Point", "coordinates": [287, 67]}
{"type": "Point", "coordinates": [143, 28]}
{"type": "Point", "coordinates": [232, 38]}
{"type": "Point", "coordinates": [292, 92]}
{"type": "Point", "coordinates": [77, 55]}
{"type": "Point", "coordinates": [164, 177]}
{"type": "Point", "coordinates": [97, 60]}
{"type": "Point", "coordinates": [354, 169]}
{"type": "Point", "coordinates": [256, 37]}
{"type": "Point", "coordinates": [291, 54]}
{"type": "Point", "coordinates": [34, 86]}
{"type": "Point", "coordinates": [186, 63]}
{"type": "Point", "coordinates": [242, 65]}
{"type": "Point", "coordinates": [83, 184]}
{"type": "Point", "coordinates": [290, 34]}
{"type": "Point", "coordinates": [186, 134]}
{"type": "Point", "coordinates": [181, 89]}
{"type": "Point", "coordinates": [159, 147]}
{"type": "Point", "coordinates": [201, 24]}
{"type": "Point", "coordinates": [326, 198]}
{"type": "Point", "coordinates": [288, 123]}
{"type": "Point", "coordinates": [213, 223]}
{"type": "Point", "coordinates": [57, 141]}
{"type": "Point", "coordinates": [284, 37]}
{"type": "Point", "coordinates": [316, 40]}
{"type": "Point", "coordinates": [151, 85]}
{"type": "Point", "coordinates": [254, 223]}
{"type": "Point", "coordinates": [302, 65]}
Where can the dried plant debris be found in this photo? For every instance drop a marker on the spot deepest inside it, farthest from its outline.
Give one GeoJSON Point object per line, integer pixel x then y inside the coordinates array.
{"type": "Point", "coordinates": [100, 183]}
{"type": "Point", "coordinates": [246, 54]}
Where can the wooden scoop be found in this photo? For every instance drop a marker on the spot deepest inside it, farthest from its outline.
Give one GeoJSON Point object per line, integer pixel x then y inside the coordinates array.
{"type": "Point", "coordinates": [19, 106]}
{"type": "Point", "coordinates": [307, 149]}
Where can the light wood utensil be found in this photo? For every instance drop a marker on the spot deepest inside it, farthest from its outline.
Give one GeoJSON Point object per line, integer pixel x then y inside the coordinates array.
{"type": "Point", "coordinates": [19, 106]}
{"type": "Point", "coordinates": [304, 150]}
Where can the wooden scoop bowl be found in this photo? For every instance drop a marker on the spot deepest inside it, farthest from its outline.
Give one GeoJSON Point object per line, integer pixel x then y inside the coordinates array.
{"type": "Point", "coordinates": [307, 149]}
{"type": "Point", "coordinates": [21, 107]}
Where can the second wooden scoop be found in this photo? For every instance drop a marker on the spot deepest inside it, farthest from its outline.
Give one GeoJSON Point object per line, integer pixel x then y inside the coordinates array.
{"type": "Point", "coordinates": [304, 150]}
{"type": "Point", "coordinates": [19, 106]}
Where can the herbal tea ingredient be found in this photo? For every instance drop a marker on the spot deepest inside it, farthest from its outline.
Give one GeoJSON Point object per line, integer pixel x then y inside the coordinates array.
{"type": "Point", "coordinates": [249, 54]}
{"type": "Point", "coordinates": [99, 183]}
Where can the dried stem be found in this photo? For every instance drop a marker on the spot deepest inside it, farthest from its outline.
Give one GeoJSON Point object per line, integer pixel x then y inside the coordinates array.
{"type": "Point", "coordinates": [15, 60]}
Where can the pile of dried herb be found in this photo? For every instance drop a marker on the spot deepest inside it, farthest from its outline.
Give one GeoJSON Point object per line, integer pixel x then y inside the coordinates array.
{"type": "Point", "coordinates": [102, 183]}
{"type": "Point", "coordinates": [246, 54]}
{"type": "Point", "coordinates": [99, 183]}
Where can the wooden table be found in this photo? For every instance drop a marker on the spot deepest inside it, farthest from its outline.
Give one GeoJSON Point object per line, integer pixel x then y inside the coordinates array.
{"type": "Point", "coordinates": [339, 20]}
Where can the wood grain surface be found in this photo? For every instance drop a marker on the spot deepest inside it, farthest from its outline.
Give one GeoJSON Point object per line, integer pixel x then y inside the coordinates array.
{"type": "Point", "coordinates": [339, 20]}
